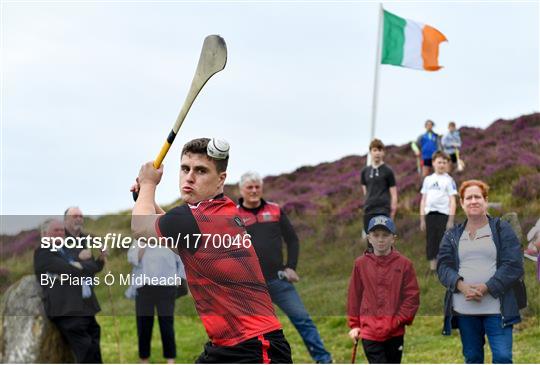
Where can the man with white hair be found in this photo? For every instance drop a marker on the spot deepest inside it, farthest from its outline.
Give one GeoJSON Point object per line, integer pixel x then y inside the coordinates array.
{"type": "Point", "coordinates": [68, 305]}
{"type": "Point", "coordinates": [73, 221]}
{"type": "Point", "coordinates": [269, 226]}
{"type": "Point", "coordinates": [73, 224]}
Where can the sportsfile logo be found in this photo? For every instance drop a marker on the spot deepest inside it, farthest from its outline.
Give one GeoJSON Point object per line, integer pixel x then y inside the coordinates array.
{"type": "Point", "coordinates": [114, 240]}
{"type": "Point", "coordinates": [110, 240]}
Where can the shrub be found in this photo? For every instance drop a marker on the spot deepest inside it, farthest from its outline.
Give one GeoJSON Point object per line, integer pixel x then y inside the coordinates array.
{"type": "Point", "coordinates": [527, 187]}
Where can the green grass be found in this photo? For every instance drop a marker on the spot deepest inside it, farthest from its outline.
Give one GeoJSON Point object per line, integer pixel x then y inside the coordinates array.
{"type": "Point", "coordinates": [326, 261]}
{"type": "Point", "coordinates": [325, 268]}
{"type": "Point", "coordinates": [423, 340]}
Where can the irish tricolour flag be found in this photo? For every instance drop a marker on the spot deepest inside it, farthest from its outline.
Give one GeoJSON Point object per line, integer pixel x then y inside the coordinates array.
{"type": "Point", "coordinates": [410, 44]}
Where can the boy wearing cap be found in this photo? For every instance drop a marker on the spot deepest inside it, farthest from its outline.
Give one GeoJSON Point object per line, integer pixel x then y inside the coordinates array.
{"type": "Point", "coordinates": [223, 273]}
{"type": "Point", "coordinates": [383, 295]}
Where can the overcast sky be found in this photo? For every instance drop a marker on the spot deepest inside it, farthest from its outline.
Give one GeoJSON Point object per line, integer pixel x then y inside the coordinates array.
{"type": "Point", "coordinates": [91, 90]}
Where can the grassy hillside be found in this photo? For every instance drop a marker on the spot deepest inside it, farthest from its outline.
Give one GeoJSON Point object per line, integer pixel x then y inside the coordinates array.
{"type": "Point", "coordinates": [325, 269]}
{"type": "Point", "coordinates": [324, 203]}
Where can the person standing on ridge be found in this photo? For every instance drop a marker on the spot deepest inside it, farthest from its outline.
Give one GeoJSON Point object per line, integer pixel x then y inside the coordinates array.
{"type": "Point", "coordinates": [451, 143]}
{"type": "Point", "coordinates": [428, 143]}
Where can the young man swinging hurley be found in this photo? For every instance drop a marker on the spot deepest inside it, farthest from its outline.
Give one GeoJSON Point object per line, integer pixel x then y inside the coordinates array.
{"type": "Point", "coordinates": [223, 272]}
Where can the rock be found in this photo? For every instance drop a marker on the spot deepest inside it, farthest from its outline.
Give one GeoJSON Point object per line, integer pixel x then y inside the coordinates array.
{"type": "Point", "coordinates": [26, 334]}
{"type": "Point", "coordinates": [513, 219]}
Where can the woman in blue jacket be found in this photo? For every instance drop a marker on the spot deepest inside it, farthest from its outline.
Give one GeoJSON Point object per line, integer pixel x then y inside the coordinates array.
{"type": "Point", "coordinates": [480, 262]}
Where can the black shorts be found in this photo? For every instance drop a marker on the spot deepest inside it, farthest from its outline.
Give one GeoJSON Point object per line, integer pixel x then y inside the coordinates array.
{"type": "Point", "coordinates": [384, 352]}
{"type": "Point", "coordinates": [453, 157]}
{"type": "Point", "coordinates": [435, 228]}
{"type": "Point", "coordinates": [270, 348]}
{"type": "Point", "coordinates": [428, 162]}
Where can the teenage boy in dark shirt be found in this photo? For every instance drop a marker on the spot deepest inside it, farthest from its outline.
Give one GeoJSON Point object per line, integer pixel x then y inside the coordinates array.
{"type": "Point", "coordinates": [378, 186]}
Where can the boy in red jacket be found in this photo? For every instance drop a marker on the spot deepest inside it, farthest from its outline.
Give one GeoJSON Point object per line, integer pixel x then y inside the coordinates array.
{"type": "Point", "coordinates": [383, 295]}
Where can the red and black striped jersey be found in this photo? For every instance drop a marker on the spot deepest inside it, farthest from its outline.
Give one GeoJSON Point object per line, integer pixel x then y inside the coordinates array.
{"type": "Point", "coordinates": [223, 272]}
{"type": "Point", "coordinates": [269, 226]}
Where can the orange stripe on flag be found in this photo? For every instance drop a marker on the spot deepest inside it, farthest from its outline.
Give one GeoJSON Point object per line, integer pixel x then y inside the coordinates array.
{"type": "Point", "coordinates": [430, 47]}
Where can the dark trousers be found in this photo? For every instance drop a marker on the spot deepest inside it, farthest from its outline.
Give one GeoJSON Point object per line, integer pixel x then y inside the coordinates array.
{"type": "Point", "coordinates": [82, 335]}
{"type": "Point", "coordinates": [435, 228]}
{"type": "Point", "coordinates": [147, 300]}
{"type": "Point", "coordinates": [387, 352]}
{"type": "Point", "coordinates": [270, 348]}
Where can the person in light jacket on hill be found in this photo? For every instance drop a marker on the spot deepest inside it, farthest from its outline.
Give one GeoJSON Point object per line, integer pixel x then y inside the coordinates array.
{"type": "Point", "coordinates": [451, 143]}
{"type": "Point", "coordinates": [480, 262]}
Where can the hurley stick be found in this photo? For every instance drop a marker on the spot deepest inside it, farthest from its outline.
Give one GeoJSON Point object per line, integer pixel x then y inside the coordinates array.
{"type": "Point", "coordinates": [355, 347]}
{"type": "Point", "coordinates": [212, 60]}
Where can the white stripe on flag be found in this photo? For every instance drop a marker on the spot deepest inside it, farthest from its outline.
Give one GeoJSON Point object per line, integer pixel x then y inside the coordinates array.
{"type": "Point", "coordinates": [412, 50]}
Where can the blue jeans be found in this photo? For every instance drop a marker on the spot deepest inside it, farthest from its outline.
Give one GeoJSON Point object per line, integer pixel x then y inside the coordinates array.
{"type": "Point", "coordinates": [285, 296]}
{"type": "Point", "coordinates": [473, 330]}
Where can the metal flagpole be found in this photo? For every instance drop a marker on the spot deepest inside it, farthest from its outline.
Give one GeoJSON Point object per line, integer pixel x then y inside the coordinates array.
{"type": "Point", "coordinates": [376, 78]}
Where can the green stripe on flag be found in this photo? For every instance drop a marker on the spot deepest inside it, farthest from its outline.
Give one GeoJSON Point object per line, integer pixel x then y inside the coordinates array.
{"type": "Point", "coordinates": [393, 39]}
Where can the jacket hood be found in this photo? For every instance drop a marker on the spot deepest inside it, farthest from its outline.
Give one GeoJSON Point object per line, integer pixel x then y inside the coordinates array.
{"type": "Point", "coordinates": [383, 260]}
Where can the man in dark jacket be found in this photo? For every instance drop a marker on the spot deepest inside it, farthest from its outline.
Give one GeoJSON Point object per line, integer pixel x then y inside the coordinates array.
{"type": "Point", "coordinates": [66, 276]}
{"type": "Point", "coordinates": [269, 226]}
